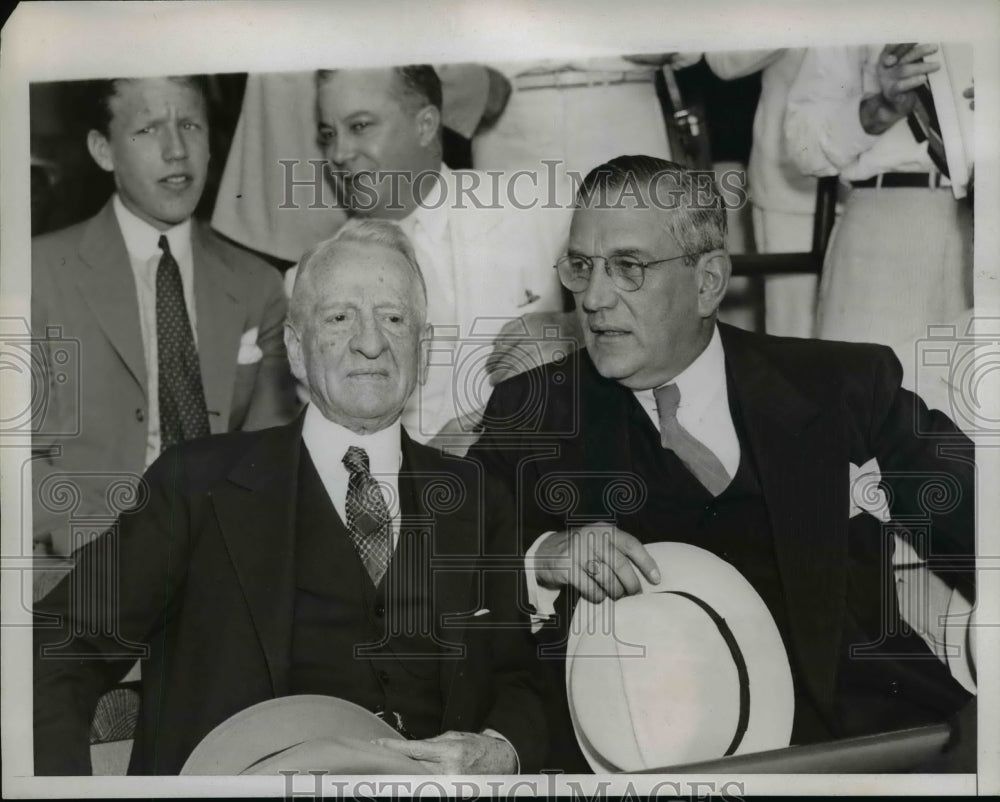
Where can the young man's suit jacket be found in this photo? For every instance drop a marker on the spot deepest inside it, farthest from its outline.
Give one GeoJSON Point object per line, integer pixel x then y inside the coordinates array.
{"type": "Point", "coordinates": [91, 424]}
{"type": "Point", "coordinates": [809, 409]}
{"type": "Point", "coordinates": [206, 579]}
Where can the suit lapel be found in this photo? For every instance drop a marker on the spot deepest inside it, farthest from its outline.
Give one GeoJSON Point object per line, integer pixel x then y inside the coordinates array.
{"type": "Point", "coordinates": [802, 460]}
{"type": "Point", "coordinates": [256, 515]}
{"type": "Point", "coordinates": [606, 407]}
{"type": "Point", "coordinates": [219, 301]}
{"type": "Point", "coordinates": [427, 482]}
{"type": "Point", "coordinates": [108, 287]}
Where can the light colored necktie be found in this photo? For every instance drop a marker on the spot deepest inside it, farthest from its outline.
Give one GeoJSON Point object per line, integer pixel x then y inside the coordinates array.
{"type": "Point", "coordinates": [695, 455]}
{"type": "Point", "coordinates": [368, 518]}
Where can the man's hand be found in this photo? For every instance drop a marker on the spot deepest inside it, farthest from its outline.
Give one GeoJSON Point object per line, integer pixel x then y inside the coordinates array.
{"type": "Point", "coordinates": [530, 341]}
{"type": "Point", "coordinates": [598, 560]}
{"type": "Point", "coordinates": [458, 753]}
{"type": "Point", "coordinates": [901, 69]}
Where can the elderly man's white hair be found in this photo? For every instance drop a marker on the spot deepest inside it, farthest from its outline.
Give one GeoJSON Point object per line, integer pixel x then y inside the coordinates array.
{"type": "Point", "coordinates": [358, 230]}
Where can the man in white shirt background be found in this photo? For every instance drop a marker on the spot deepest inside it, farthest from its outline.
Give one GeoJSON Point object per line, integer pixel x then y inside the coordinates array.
{"type": "Point", "coordinates": [900, 256]}
{"type": "Point", "coordinates": [486, 261]}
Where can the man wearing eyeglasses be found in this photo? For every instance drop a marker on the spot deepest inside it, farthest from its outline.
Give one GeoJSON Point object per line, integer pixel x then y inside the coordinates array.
{"type": "Point", "coordinates": [672, 426]}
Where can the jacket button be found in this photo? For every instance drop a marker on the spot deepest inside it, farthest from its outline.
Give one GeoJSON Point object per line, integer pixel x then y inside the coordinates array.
{"type": "Point", "coordinates": [380, 611]}
{"type": "Point", "coordinates": [383, 677]}
{"type": "Point", "coordinates": [894, 687]}
{"type": "Point", "coordinates": [140, 415]}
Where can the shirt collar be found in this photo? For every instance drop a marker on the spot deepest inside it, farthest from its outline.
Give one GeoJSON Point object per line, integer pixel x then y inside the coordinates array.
{"type": "Point", "coordinates": [701, 381]}
{"type": "Point", "coordinates": [328, 442]}
{"type": "Point", "coordinates": [432, 212]}
{"type": "Point", "coordinates": [141, 239]}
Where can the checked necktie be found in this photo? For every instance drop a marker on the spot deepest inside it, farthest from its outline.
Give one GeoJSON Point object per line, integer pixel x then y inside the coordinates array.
{"type": "Point", "coordinates": [367, 515]}
{"type": "Point", "coordinates": [183, 415]}
{"type": "Point", "coordinates": [695, 455]}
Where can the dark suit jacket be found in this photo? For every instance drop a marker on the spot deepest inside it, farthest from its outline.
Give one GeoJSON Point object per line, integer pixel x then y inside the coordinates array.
{"type": "Point", "coordinates": [204, 579]}
{"type": "Point", "coordinates": [91, 430]}
{"type": "Point", "coordinates": [558, 437]}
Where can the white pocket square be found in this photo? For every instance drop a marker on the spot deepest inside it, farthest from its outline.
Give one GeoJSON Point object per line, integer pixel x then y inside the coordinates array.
{"type": "Point", "coordinates": [249, 352]}
{"type": "Point", "coordinates": [484, 611]}
{"type": "Point", "coordinates": [866, 495]}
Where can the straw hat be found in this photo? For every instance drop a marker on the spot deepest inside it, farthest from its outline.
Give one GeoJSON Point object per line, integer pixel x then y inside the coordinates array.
{"type": "Point", "coordinates": [691, 669]}
{"type": "Point", "coordinates": [301, 733]}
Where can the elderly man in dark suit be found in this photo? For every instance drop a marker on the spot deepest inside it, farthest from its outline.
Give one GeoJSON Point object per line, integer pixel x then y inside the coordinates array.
{"type": "Point", "coordinates": [764, 450]}
{"type": "Point", "coordinates": [179, 332]}
{"type": "Point", "coordinates": [332, 556]}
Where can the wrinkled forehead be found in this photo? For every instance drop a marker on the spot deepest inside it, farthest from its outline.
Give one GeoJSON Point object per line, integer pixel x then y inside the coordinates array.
{"type": "Point", "coordinates": [634, 228]}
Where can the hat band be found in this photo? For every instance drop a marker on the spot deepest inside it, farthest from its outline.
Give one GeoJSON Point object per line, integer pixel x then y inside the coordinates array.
{"type": "Point", "coordinates": [269, 756]}
{"type": "Point", "coordinates": [741, 668]}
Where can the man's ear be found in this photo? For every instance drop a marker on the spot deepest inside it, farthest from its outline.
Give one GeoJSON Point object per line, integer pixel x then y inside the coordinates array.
{"type": "Point", "coordinates": [100, 150]}
{"type": "Point", "coordinates": [424, 353]}
{"type": "Point", "coordinates": [714, 269]}
{"type": "Point", "coordinates": [293, 345]}
{"type": "Point", "coordinates": [428, 123]}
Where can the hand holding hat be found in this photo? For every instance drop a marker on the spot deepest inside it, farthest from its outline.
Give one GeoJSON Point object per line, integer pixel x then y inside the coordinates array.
{"type": "Point", "coordinates": [599, 560]}
{"type": "Point", "coordinates": [691, 669]}
{"type": "Point", "coordinates": [306, 732]}
{"type": "Point", "coordinates": [458, 753]}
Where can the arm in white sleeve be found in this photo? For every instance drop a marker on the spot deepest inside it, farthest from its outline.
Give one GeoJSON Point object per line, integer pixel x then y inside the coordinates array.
{"type": "Point", "coordinates": [543, 600]}
{"type": "Point", "coordinates": [822, 129]}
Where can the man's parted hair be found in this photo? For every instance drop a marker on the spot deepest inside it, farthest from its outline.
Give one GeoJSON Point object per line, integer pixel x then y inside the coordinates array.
{"type": "Point", "coordinates": [364, 231]}
{"type": "Point", "coordinates": [100, 92]}
{"type": "Point", "coordinates": [693, 211]}
{"type": "Point", "coordinates": [419, 85]}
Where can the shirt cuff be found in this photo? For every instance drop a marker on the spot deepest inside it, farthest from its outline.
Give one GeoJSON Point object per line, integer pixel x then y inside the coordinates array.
{"type": "Point", "coordinates": [846, 140]}
{"type": "Point", "coordinates": [543, 600]}
{"type": "Point", "coordinates": [500, 737]}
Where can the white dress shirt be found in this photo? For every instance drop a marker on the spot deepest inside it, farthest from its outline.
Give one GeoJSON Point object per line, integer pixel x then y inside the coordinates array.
{"type": "Point", "coordinates": [428, 230]}
{"type": "Point", "coordinates": [703, 411]}
{"type": "Point", "coordinates": [141, 243]}
{"type": "Point", "coordinates": [704, 404]}
{"type": "Point", "coordinates": [327, 443]}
